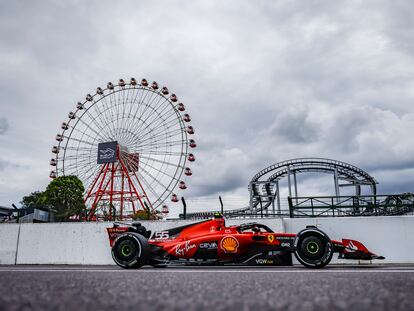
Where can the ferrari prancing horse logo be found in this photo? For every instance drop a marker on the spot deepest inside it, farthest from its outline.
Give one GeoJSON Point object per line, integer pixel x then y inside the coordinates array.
{"type": "Point", "coordinates": [271, 238]}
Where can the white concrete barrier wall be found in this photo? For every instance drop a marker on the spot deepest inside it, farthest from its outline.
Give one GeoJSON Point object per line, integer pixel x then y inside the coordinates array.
{"type": "Point", "coordinates": [389, 236]}
{"type": "Point", "coordinates": [63, 243]}
{"type": "Point", "coordinates": [8, 243]}
{"type": "Point", "coordinates": [87, 243]}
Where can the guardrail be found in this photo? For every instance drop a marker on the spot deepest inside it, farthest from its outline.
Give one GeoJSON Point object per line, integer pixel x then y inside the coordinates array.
{"type": "Point", "coordinates": [348, 206]}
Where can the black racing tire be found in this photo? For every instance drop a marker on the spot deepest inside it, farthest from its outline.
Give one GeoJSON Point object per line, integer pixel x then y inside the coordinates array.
{"type": "Point", "coordinates": [314, 249]}
{"type": "Point", "coordinates": [130, 250]}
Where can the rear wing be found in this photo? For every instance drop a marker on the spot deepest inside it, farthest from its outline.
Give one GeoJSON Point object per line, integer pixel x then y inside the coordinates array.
{"type": "Point", "coordinates": [120, 228]}
{"type": "Point", "coordinates": [115, 232]}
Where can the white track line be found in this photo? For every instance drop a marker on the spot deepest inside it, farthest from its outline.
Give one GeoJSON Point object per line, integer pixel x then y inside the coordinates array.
{"type": "Point", "coordinates": [209, 271]}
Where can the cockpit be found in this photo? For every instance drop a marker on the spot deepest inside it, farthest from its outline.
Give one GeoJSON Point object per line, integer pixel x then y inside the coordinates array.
{"type": "Point", "coordinates": [254, 227]}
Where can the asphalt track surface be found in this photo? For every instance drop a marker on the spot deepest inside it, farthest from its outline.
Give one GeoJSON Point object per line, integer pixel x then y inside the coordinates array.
{"type": "Point", "coordinates": [373, 287]}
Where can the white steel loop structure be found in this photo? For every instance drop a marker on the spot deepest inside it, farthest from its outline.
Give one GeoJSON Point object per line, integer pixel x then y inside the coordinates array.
{"type": "Point", "coordinates": [129, 144]}
{"type": "Point", "coordinates": [264, 186]}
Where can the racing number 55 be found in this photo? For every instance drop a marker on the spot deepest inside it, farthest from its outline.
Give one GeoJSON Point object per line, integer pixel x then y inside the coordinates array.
{"type": "Point", "coordinates": [161, 235]}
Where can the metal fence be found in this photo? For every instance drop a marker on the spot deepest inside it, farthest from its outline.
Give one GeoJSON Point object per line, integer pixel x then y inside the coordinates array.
{"type": "Point", "coordinates": [348, 206]}
{"type": "Point", "coordinates": [236, 213]}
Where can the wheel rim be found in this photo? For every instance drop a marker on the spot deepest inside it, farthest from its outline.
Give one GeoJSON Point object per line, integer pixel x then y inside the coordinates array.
{"type": "Point", "coordinates": [126, 250]}
{"type": "Point", "coordinates": [312, 247]}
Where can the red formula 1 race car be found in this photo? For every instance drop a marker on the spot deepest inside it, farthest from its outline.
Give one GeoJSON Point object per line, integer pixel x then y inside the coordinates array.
{"type": "Point", "coordinates": [210, 242]}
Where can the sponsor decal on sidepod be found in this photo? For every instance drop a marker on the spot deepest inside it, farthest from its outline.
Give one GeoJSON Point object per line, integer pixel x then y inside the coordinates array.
{"type": "Point", "coordinates": [182, 249]}
{"type": "Point", "coordinates": [229, 244]}
{"type": "Point", "coordinates": [209, 245]}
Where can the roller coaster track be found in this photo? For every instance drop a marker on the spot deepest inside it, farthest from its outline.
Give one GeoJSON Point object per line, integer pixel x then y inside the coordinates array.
{"type": "Point", "coordinates": [265, 184]}
{"type": "Point", "coordinates": [264, 192]}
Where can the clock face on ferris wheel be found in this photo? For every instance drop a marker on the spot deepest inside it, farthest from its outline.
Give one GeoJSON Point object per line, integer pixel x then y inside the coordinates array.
{"type": "Point", "coordinates": [130, 144]}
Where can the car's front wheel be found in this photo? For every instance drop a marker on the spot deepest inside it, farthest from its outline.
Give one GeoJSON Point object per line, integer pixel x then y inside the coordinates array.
{"type": "Point", "coordinates": [314, 249]}
{"type": "Point", "coordinates": [130, 250]}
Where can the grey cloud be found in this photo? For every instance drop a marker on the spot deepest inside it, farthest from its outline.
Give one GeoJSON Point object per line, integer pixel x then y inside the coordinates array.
{"type": "Point", "coordinates": [5, 164]}
{"type": "Point", "coordinates": [390, 166]}
{"type": "Point", "coordinates": [220, 170]}
{"type": "Point", "coordinates": [345, 127]}
{"type": "Point", "coordinates": [220, 185]}
{"type": "Point", "coordinates": [263, 81]}
{"type": "Point", "coordinates": [295, 128]}
{"type": "Point", "coordinates": [4, 125]}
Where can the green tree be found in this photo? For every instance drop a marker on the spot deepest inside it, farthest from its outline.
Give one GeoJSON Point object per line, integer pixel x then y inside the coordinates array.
{"type": "Point", "coordinates": [35, 199]}
{"type": "Point", "coordinates": [64, 195]}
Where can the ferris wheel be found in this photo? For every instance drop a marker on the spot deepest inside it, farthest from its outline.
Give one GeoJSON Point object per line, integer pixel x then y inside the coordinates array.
{"type": "Point", "coordinates": [129, 144]}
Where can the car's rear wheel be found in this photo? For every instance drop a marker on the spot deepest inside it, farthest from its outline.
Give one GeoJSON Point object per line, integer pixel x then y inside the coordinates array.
{"type": "Point", "coordinates": [314, 249]}
{"type": "Point", "coordinates": [130, 250]}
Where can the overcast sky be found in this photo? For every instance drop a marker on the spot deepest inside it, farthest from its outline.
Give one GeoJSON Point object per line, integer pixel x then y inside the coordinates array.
{"type": "Point", "coordinates": [264, 81]}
